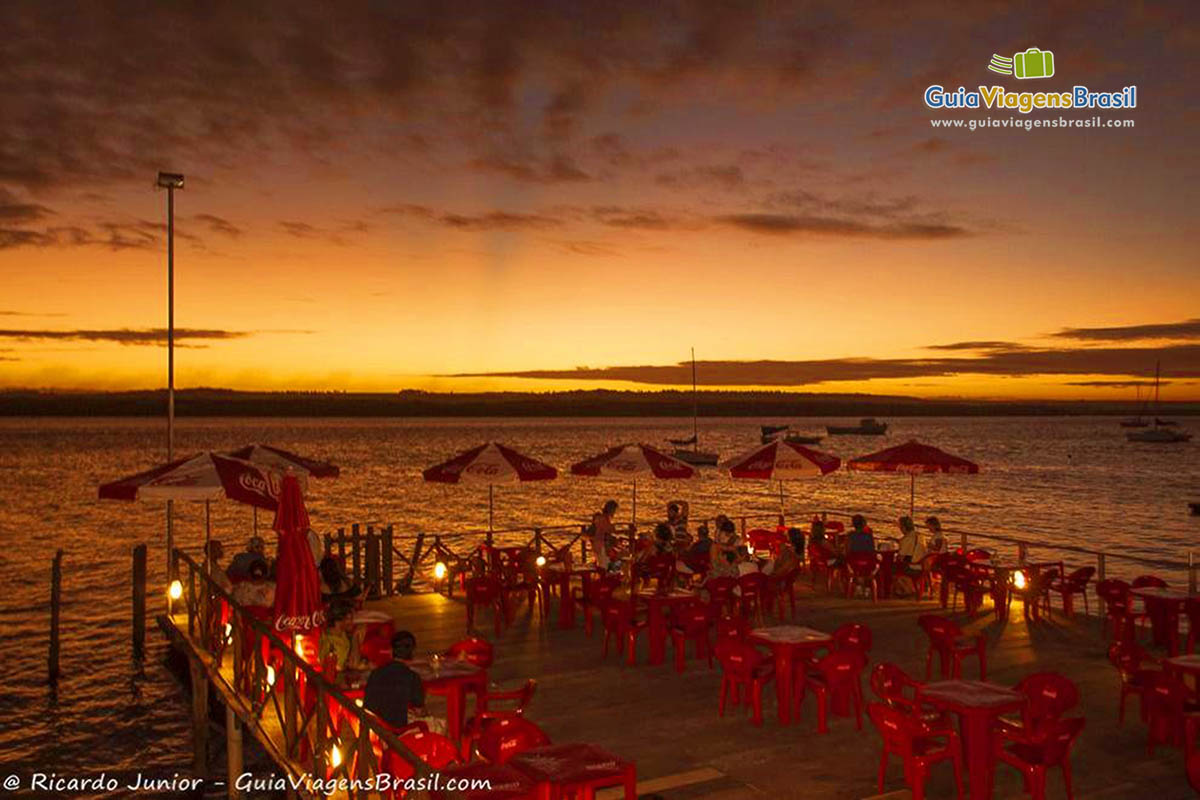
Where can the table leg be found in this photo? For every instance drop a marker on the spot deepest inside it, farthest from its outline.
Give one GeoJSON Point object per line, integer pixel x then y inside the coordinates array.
{"type": "Point", "coordinates": [783, 683]}
{"type": "Point", "coordinates": [566, 603]}
{"type": "Point", "coordinates": [976, 732]}
{"type": "Point", "coordinates": [454, 712]}
{"type": "Point", "coordinates": [658, 634]}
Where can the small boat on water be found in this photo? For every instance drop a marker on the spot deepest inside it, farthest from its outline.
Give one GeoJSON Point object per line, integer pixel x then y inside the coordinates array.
{"type": "Point", "coordinates": [868, 426]}
{"type": "Point", "coordinates": [1140, 420]}
{"type": "Point", "coordinates": [1162, 432]}
{"type": "Point", "coordinates": [770, 433]}
{"type": "Point", "coordinates": [688, 450]}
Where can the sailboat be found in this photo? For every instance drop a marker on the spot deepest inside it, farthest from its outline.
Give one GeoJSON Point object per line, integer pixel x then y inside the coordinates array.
{"type": "Point", "coordinates": [694, 456]}
{"type": "Point", "coordinates": [1140, 420]}
{"type": "Point", "coordinates": [1161, 433]}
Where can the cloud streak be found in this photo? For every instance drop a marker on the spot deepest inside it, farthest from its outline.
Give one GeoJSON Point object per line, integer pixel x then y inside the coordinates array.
{"type": "Point", "coordinates": [134, 337]}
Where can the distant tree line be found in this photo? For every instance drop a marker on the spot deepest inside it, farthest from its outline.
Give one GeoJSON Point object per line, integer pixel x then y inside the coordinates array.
{"type": "Point", "coordinates": [595, 403]}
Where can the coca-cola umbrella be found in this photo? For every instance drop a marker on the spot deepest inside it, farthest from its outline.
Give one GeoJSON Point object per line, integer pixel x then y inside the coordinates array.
{"type": "Point", "coordinates": [779, 461]}
{"type": "Point", "coordinates": [284, 461]}
{"type": "Point", "coordinates": [914, 458]}
{"type": "Point", "coordinates": [490, 463]}
{"type": "Point", "coordinates": [298, 605]}
{"type": "Point", "coordinates": [205, 476]}
{"type": "Point", "coordinates": [632, 461]}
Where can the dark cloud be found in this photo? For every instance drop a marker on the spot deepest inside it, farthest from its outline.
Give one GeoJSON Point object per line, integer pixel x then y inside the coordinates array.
{"type": "Point", "coordinates": [978, 345]}
{"type": "Point", "coordinates": [1185, 330]}
{"type": "Point", "coordinates": [556, 168]}
{"type": "Point", "coordinates": [219, 225]}
{"type": "Point", "coordinates": [23, 213]}
{"type": "Point", "coordinates": [9, 313]}
{"type": "Point", "coordinates": [1184, 361]}
{"type": "Point", "coordinates": [1117, 384]}
{"type": "Point", "coordinates": [130, 336]}
{"type": "Point", "coordinates": [488, 221]}
{"type": "Point", "coordinates": [338, 235]}
{"type": "Point", "coordinates": [793, 224]}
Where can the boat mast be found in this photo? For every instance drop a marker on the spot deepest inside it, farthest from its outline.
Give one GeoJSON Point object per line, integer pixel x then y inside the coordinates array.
{"type": "Point", "coordinates": [1157, 364]}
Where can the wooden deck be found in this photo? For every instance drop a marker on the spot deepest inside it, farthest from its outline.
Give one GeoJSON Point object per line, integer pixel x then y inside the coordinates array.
{"type": "Point", "coordinates": [668, 723]}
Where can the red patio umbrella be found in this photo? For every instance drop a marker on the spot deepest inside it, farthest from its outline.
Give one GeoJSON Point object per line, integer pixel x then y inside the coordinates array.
{"type": "Point", "coordinates": [298, 605]}
{"type": "Point", "coordinates": [780, 461]}
{"type": "Point", "coordinates": [630, 461]}
{"type": "Point", "coordinates": [283, 461]}
{"type": "Point", "coordinates": [490, 463]}
{"type": "Point", "coordinates": [914, 458]}
{"type": "Point", "coordinates": [206, 476]}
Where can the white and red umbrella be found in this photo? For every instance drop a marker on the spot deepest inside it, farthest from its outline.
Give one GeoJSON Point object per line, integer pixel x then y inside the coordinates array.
{"type": "Point", "coordinates": [633, 461]}
{"type": "Point", "coordinates": [298, 606]}
{"type": "Point", "coordinates": [914, 458]}
{"type": "Point", "coordinates": [780, 461]}
{"type": "Point", "coordinates": [490, 463]}
{"type": "Point", "coordinates": [283, 461]}
{"type": "Point", "coordinates": [206, 476]}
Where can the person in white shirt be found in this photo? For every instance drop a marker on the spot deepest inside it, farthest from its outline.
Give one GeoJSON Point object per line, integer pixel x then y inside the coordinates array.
{"type": "Point", "coordinates": [912, 549]}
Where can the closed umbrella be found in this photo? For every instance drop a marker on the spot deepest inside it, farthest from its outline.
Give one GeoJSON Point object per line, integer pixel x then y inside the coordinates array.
{"type": "Point", "coordinates": [914, 458]}
{"type": "Point", "coordinates": [206, 476]}
{"type": "Point", "coordinates": [632, 461]}
{"type": "Point", "coordinates": [298, 605]}
{"type": "Point", "coordinates": [490, 463]}
{"type": "Point", "coordinates": [780, 461]}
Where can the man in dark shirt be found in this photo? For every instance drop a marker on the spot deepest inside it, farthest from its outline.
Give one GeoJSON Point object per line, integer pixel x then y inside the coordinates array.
{"type": "Point", "coordinates": [394, 688]}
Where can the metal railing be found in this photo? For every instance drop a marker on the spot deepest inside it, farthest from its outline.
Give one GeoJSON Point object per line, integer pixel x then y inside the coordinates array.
{"type": "Point", "coordinates": [279, 688]}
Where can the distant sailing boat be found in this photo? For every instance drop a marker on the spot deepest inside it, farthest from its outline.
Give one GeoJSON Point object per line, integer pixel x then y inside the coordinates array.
{"type": "Point", "coordinates": [1161, 433]}
{"type": "Point", "coordinates": [1140, 420]}
{"type": "Point", "coordinates": [695, 456]}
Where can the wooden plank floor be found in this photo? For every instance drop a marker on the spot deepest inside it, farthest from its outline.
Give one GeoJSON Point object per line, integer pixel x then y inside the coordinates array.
{"type": "Point", "coordinates": [668, 723]}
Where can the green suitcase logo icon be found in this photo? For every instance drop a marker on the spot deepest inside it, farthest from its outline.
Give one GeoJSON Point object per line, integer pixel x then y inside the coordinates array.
{"type": "Point", "coordinates": [1033, 63]}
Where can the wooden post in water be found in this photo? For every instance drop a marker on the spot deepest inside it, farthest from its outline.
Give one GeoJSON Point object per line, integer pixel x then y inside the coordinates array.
{"type": "Point", "coordinates": [962, 539]}
{"type": "Point", "coordinates": [139, 601]}
{"type": "Point", "coordinates": [233, 751]}
{"type": "Point", "coordinates": [1022, 553]}
{"type": "Point", "coordinates": [1099, 567]}
{"type": "Point", "coordinates": [412, 562]}
{"type": "Point", "coordinates": [356, 552]}
{"type": "Point", "coordinates": [199, 718]}
{"type": "Point", "coordinates": [55, 605]}
{"type": "Point", "coordinates": [372, 565]}
{"type": "Point", "coordinates": [389, 580]}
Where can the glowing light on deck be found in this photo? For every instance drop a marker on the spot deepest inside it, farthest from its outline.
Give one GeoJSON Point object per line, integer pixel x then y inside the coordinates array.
{"type": "Point", "coordinates": [439, 570]}
{"type": "Point", "coordinates": [541, 561]}
{"type": "Point", "coordinates": [1019, 579]}
{"type": "Point", "coordinates": [335, 757]}
{"type": "Point", "coordinates": [270, 676]}
{"type": "Point", "coordinates": [175, 590]}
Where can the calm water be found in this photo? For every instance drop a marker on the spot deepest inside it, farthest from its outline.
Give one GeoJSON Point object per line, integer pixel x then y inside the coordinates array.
{"type": "Point", "coordinates": [1069, 480]}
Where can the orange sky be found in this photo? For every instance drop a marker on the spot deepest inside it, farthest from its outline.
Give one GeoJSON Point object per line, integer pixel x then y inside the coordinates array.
{"type": "Point", "coordinates": [533, 205]}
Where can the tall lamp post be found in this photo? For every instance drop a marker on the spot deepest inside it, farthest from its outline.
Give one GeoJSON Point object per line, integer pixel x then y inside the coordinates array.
{"type": "Point", "coordinates": [170, 181]}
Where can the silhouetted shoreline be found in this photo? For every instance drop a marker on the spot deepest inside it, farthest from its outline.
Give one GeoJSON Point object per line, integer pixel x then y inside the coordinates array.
{"type": "Point", "coordinates": [592, 403]}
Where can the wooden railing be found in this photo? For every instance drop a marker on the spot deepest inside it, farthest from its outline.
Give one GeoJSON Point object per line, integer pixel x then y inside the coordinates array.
{"type": "Point", "coordinates": [289, 700]}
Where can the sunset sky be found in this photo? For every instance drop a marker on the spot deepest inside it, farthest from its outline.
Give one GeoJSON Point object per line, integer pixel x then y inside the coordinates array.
{"type": "Point", "coordinates": [555, 195]}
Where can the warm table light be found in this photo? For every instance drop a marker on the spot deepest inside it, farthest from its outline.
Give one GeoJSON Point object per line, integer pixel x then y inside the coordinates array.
{"type": "Point", "coordinates": [439, 571]}
{"type": "Point", "coordinates": [1019, 579]}
{"type": "Point", "coordinates": [541, 561]}
{"type": "Point", "coordinates": [175, 590]}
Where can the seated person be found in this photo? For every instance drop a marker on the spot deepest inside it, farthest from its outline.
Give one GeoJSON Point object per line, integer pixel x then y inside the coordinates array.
{"type": "Point", "coordinates": [783, 564]}
{"type": "Point", "coordinates": [340, 640]}
{"type": "Point", "coordinates": [257, 589]}
{"type": "Point", "coordinates": [394, 688]}
{"type": "Point", "coordinates": [817, 532]}
{"type": "Point", "coordinates": [603, 533]}
{"type": "Point", "coordinates": [216, 552]}
{"type": "Point", "coordinates": [860, 539]}
{"type": "Point", "coordinates": [937, 540]}
{"type": "Point", "coordinates": [723, 553]}
{"type": "Point", "coordinates": [796, 539]}
{"type": "Point", "coordinates": [911, 549]}
{"type": "Point", "coordinates": [745, 564]}
{"type": "Point", "coordinates": [335, 584]}
{"type": "Point", "coordinates": [239, 567]}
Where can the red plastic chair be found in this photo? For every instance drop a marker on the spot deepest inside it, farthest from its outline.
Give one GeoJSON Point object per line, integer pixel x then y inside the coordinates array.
{"type": "Point", "coordinates": [1192, 609]}
{"type": "Point", "coordinates": [951, 645]}
{"type": "Point", "coordinates": [436, 750]}
{"type": "Point", "coordinates": [819, 558]}
{"type": "Point", "coordinates": [720, 593]}
{"type": "Point", "coordinates": [501, 739]}
{"type": "Point", "coordinates": [763, 539]}
{"type": "Point", "coordinates": [731, 626]}
{"type": "Point", "coordinates": [1034, 754]}
{"type": "Point", "coordinates": [600, 591]}
{"type": "Point", "coordinates": [785, 586]}
{"type": "Point", "coordinates": [486, 712]}
{"type": "Point", "coordinates": [744, 671]}
{"type": "Point", "coordinates": [692, 623]}
{"type": "Point", "coordinates": [485, 592]}
{"type": "Point", "coordinates": [1168, 705]}
{"type": "Point", "coordinates": [1050, 696]}
{"type": "Point", "coordinates": [473, 650]}
{"type": "Point", "coordinates": [622, 625]}
{"type": "Point", "coordinates": [1067, 587]}
{"type": "Point", "coordinates": [918, 745]}
{"type": "Point", "coordinates": [1118, 606]}
{"type": "Point", "coordinates": [897, 689]}
{"type": "Point", "coordinates": [838, 674]}
{"type": "Point", "coordinates": [1151, 609]}
{"type": "Point", "coordinates": [861, 570]}
{"type": "Point", "coordinates": [1128, 658]}
{"type": "Point", "coordinates": [755, 593]}
{"type": "Point", "coordinates": [853, 635]}
{"type": "Point", "coordinates": [658, 569]}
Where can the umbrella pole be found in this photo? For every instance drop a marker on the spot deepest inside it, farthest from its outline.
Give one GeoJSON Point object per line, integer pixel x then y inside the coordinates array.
{"type": "Point", "coordinates": [207, 533]}
{"type": "Point", "coordinates": [912, 494]}
{"type": "Point", "coordinates": [781, 499]}
{"type": "Point", "coordinates": [255, 510]}
{"type": "Point", "coordinates": [491, 514]}
{"type": "Point", "coordinates": [633, 523]}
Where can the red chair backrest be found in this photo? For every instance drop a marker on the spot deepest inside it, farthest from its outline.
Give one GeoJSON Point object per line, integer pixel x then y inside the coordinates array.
{"type": "Point", "coordinates": [841, 668]}
{"type": "Point", "coordinates": [1056, 738]}
{"type": "Point", "coordinates": [1165, 694]}
{"type": "Point", "coordinates": [1050, 696]}
{"type": "Point", "coordinates": [473, 650]}
{"type": "Point", "coordinates": [834, 527]}
{"type": "Point", "coordinates": [862, 564]}
{"type": "Point", "coordinates": [1081, 576]}
{"type": "Point", "coordinates": [720, 588]}
{"type": "Point", "coordinates": [732, 627]}
{"type": "Point", "coordinates": [434, 749]}
{"type": "Point", "coordinates": [482, 589]}
{"type": "Point", "coordinates": [889, 681]}
{"type": "Point", "coordinates": [1148, 581]}
{"type": "Point", "coordinates": [738, 659]}
{"type": "Point", "coordinates": [752, 583]}
{"type": "Point", "coordinates": [940, 630]}
{"type": "Point", "coordinates": [1126, 656]}
{"type": "Point", "coordinates": [694, 618]}
{"type": "Point", "coordinates": [1115, 594]}
{"type": "Point", "coordinates": [504, 738]}
{"type": "Point", "coordinates": [978, 555]}
{"type": "Point", "coordinates": [853, 635]}
{"type": "Point", "coordinates": [897, 727]}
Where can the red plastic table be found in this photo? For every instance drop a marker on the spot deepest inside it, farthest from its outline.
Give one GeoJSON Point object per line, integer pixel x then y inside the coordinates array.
{"type": "Point", "coordinates": [566, 603]}
{"type": "Point", "coordinates": [452, 680]}
{"type": "Point", "coordinates": [1164, 605]}
{"type": "Point", "coordinates": [506, 783]}
{"type": "Point", "coordinates": [887, 568]}
{"type": "Point", "coordinates": [658, 605]}
{"type": "Point", "coordinates": [1186, 665]}
{"type": "Point", "coordinates": [561, 769]}
{"type": "Point", "coordinates": [977, 704]}
{"type": "Point", "coordinates": [789, 644]}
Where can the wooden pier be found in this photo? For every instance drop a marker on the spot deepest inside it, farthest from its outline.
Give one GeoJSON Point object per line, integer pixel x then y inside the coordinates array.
{"type": "Point", "coordinates": [668, 724]}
